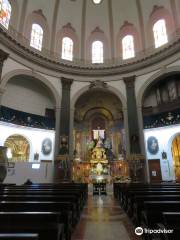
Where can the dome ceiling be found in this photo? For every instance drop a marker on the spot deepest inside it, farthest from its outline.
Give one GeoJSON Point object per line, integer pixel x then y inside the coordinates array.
{"type": "Point", "coordinates": [86, 21]}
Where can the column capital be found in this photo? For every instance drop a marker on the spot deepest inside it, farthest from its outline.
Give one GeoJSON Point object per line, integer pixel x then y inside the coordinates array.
{"type": "Point", "coordinates": [129, 81]}
{"type": "Point", "coordinates": [66, 83]}
{"type": "Point", "coordinates": [3, 56]}
{"type": "Point", "coordinates": [2, 91]}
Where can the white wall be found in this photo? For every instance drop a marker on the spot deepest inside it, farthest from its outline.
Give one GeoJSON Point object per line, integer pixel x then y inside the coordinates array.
{"type": "Point", "coordinates": [23, 171]}
{"type": "Point", "coordinates": [27, 95]}
{"type": "Point", "coordinates": [34, 136]}
{"type": "Point", "coordinates": [165, 136]}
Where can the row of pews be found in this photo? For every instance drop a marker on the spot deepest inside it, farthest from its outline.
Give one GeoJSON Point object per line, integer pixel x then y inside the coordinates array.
{"type": "Point", "coordinates": [152, 206]}
{"type": "Point", "coordinates": [41, 211]}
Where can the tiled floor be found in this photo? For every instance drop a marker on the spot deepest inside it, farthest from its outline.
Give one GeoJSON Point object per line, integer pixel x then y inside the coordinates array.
{"type": "Point", "coordinates": [103, 219]}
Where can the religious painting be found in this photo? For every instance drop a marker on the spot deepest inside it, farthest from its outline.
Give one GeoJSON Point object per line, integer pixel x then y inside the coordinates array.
{"type": "Point", "coordinates": [18, 148]}
{"type": "Point", "coordinates": [152, 145]}
{"type": "Point", "coordinates": [46, 146]}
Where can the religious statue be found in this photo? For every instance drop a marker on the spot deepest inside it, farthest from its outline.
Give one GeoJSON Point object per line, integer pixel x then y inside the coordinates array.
{"type": "Point", "coordinates": [99, 153]}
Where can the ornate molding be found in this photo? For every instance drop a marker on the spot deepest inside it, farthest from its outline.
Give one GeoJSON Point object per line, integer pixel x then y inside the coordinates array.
{"type": "Point", "coordinates": [66, 83]}
{"type": "Point", "coordinates": [97, 84]}
{"type": "Point", "coordinates": [3, 56]}
{"type": "Point", "coordinates": [129, 81]}
{"type": "Point", "coordinates": [84, 69]}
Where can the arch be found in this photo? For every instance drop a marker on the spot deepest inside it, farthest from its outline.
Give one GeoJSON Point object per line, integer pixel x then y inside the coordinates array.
{"type": "Point", "coordinates": [110, 88]}
{"type": "Point", "coordinates": [155, 77]}
{"type": "Point", "coordinates": [37, 17]}
{"type": "Point", "coordinates": [20, 149]}
{"type": "Point", "coordinates": [67, 31]}
{"type": "Point", "coordinates": [159, 12]}
{"type": "Point", "coordinates": [125, 30]}
{"type": "Point", "coordinates": [37, 76]}
{"type": "Point", "coordinates": [169, 144]}
{"type": "Point", "coordinates": [97, 35]}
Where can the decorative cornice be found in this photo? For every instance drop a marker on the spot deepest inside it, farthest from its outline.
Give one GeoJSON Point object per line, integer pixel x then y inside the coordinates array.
{"type": "Point", "coordinates": [68, 26]}
{"type": "Point", "coordinates": [126, 24]}
{"type": "Point", "coordinates": [97, 30]}
{"type": "Point", "coordinates": [81, 68]}
{"type": "Point", "coordinates": [155, 8]}
{"type": "Point", "coordinates": [97, 84]}
{"type": "Point", "coordinates": [129, 81]}
{"type": "Point", "coordinates": [3, 56]}
{"type": "Point", "coordinates": [40, 12]}
{"type": "Point", "coordinates": [2, 91]}
{"type": "Point", "coordinates": [66, 83]}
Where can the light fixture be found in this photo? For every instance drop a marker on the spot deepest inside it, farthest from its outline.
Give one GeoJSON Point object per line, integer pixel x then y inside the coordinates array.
{"type": "Point", "coordinates": [36, 165]}
{"type": "Point", "coordinates": [97, 1]}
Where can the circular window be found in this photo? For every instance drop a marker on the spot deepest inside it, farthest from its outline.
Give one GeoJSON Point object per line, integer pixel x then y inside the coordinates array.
{"type": "Point", "coordinates": [97, 1]}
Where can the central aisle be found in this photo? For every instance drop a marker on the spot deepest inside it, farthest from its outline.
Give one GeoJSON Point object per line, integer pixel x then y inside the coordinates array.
{"type": "Point", "coordinates": [103, 219]}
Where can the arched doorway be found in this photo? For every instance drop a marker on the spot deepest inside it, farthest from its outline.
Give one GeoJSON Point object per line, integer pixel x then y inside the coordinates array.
{"type": "Point", "coordinates": [98, 123]}
{"type": "Point", "coordinates": [175, 148]}
{"type": "Point", "coordinates": [18, 148]}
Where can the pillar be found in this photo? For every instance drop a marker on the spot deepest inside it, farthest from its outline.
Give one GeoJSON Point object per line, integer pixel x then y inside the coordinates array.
{"type": "Point", "coordinates": [64, 132]}
{"type": "Point", "coordinates": [135, 159]}
{"type": "Point", "coordinates": [3, 57]}
{"type": "Point", "coordinates": [132, 115]}
{"type": "Point", "coordinates": [62, 166]}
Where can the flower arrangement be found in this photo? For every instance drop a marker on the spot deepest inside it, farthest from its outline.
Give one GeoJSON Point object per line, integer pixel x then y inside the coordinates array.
{"type": "Point", "coordinates": [122, 179]}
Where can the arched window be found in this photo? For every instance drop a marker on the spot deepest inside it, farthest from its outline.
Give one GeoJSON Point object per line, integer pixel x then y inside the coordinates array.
{"type": "Point", "coordinates": [128, 47]}
{"type": "Point", "coordinates": [36, 36]}
{"type": "Point", "coordinates": [67, 49]}
{"type": "Point", "coordinates": [5, 13]}
{"type": "Point", "coordinates": [160, 34]}
{"type": "Point", "coordinates": [97, 52]}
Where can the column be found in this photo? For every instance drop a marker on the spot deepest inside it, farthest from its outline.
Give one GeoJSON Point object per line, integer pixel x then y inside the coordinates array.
{"type": "Point", "coordinates": [57, 130]}
{"type": "Point", "coordinates": [132, 115]}
{"type": "Point", "coordinates": [135, 159]}
{"type": "Point", "coordinates": [62, 165]}
{"type": "Point", "coordinates": [3, 57]}
{"type": "Point", "coordinates": [64, 132]}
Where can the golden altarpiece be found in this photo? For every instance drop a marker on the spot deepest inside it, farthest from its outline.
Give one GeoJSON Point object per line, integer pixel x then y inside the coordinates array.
{"type": "Point", "coordinates": [98, 167]}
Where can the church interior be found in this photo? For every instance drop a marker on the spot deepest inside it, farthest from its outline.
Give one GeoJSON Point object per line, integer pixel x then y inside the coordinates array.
{"type": "Point", "coordinates": [89, 119]}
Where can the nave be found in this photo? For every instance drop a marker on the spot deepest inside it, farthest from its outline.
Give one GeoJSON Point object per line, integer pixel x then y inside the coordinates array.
{"type": "Point", "coordinates": [103, 219]}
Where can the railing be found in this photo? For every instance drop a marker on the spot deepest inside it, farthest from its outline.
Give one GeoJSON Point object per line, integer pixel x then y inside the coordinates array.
{"type": "Point", "coordinates": [85, 63]}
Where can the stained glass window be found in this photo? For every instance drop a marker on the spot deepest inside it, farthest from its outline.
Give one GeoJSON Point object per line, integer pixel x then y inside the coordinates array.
{"type": "Point", "coordinates": [5, 13]}
{"type": "Point", "coordinates": [36, 36]}
{"type": "Point", "coordinates": [97, 52]}
{"type": "Point", "coordinates": [128, 47]}
{"type": "Point", "coordinates": [160, 35]}
{"type": "Point", "coordinates": [67, 49]}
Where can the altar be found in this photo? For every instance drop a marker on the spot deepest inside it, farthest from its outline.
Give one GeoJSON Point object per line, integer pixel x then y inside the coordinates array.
{"type": "Point", "coordinates": [99, 169]}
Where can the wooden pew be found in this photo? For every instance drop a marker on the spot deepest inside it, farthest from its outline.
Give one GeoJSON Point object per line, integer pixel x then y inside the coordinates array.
{"type": "Point", "coordinates": [152, 213]}
{"type": "Point", "coordinates": [19, 236]}
{"type": "Point", "coordinates": [63, 198]}
{"type": "Point", "coordinates": [64, 208]}
{"type": "Point", "coordinates": [132, 194]}
{"type": "Point", "coordinates": [136, 204]}
{"type": "Point", "coordinates": [45, 224]}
